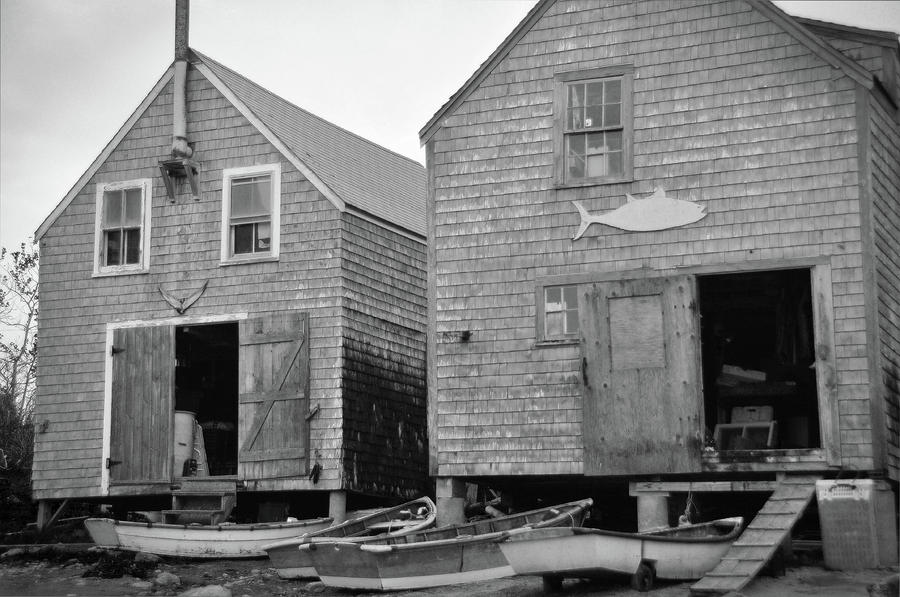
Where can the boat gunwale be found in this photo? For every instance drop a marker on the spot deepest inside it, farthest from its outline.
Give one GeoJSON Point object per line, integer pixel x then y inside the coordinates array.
{"type": "Point", "coordinates": [322, 534]}
{"type": "Point", "coordinates": [259, 526]}
{"type": "Point", "coordinates": [568, 510]}
{"type": "Point", "coordinates": [521, 535]}
{"type": "Point", "coordinates": [387, 544]}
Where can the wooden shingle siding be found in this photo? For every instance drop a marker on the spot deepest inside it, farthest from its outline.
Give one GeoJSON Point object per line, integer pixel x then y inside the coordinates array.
{"type": "Point", "coordinates": [185, 251]}
{"type": "Point", "coordinates": [384, 437]}
{"type": "Point", "coordinates": [885, 190]}
{"type": "Point", "coordinates": [729, 110]}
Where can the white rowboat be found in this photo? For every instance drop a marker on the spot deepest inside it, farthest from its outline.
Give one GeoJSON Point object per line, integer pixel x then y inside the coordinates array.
{"type": "Point", "coordinates": [679, 553]}
{"type": "Point", "coordinates": [195, 540]}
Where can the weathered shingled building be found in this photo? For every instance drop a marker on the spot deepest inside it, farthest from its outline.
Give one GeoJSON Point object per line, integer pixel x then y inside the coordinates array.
{"type": "Point", "coordinates": [231, 255]}
{"type": "Point", "coordinates": [663, 244]}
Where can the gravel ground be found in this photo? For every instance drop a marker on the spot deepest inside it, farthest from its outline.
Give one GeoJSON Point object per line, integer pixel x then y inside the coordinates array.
{"type": "Point", "coordinates": [64, 574]}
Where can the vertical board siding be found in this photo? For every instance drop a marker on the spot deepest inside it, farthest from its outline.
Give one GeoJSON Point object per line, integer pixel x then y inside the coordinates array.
{"type": "Point", "coordinates": [385, 445]}
{"type": "Point", "coordinates": [729, 110]}
{"type": "Point", "coordinates": [885, 175]}
{"type": "Point", "coordinates": [185, 251]}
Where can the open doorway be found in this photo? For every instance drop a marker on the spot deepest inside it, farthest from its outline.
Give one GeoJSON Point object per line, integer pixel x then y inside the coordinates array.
{"type": "Point", "coordinates": [759, 378]}
{"type": "Point", "coordinates": [206, 399]}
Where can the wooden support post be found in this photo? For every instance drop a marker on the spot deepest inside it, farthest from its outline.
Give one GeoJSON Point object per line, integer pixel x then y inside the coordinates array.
{"type": "Point", "coordinates": [337, 506]}
{"type": "Point", "coordinates": [45, 513]}
{"type": "Point", "coordinates": [653, 511]}
{"type": "Point", "coordinates": [451, 501]}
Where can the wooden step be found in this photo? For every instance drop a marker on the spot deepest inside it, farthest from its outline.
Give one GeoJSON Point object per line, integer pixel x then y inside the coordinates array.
{"type": "Point", "coordinates": [194, 516]}
{"type": "Point", "coordinates": [202, 499]}
{"type": "Point", "coordinates": [205, 485]}
{"type": "Point", "coordinates": [761, 539]}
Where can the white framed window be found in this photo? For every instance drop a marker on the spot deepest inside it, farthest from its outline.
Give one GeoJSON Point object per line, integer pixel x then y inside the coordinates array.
{"type": "Point", "coordinates": [251, 208]}
{"type": "Point", "coordinates": [558, 317]}
{"type": "Point", "coordinates": [122, 230]}
{"type": "Point", "coordinates": [594, 133]}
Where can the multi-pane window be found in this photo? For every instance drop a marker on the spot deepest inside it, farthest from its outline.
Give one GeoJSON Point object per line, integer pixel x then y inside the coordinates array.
{"type": "Point", "coordinates": [560, 312]}
{"type": "Point", "coordinates": [250, 212]}
{"type": "Point", "coordinates": [594, 126]}
{"type": "Point", "coordinates": [123, 227]}
{"type": "Point", "coordinates": [594, 130]}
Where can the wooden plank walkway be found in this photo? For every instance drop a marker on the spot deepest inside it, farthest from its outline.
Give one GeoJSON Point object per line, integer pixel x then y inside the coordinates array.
{"type": "Point", "coordinates": [762, 537]}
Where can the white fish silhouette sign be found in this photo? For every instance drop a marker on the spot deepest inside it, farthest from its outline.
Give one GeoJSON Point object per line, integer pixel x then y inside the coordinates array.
{"type": "Point", "coordinates": [656, 212]}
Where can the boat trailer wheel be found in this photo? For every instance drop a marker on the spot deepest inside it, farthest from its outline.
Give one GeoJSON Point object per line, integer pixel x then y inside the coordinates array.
{"type": "Point", "coordinates": [642, 579]}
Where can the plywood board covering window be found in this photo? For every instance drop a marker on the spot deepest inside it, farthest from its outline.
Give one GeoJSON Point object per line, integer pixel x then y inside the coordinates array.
{"type": "Point", "coordinates": [594, 126]}
{"type": "Point", "coordinates": [636, 332]}
{"type": "Point", "coordinates": [251, 207]}
{"type": "Point", "coordinates": [122, 227]}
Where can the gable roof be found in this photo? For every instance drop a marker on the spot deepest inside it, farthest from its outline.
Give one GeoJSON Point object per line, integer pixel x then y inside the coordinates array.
{"type": "Point", "coordinates": [100, 159]}
{"type": "Point", "coordinates": [353, 173]}
{"type": "Point", "coordinates": [359, 173]}
{"type": "Point", "coordinates": [815, 44]}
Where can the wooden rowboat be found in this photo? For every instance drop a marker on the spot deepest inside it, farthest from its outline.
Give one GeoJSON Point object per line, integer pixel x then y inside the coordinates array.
{"type": "Point", "coordinates": [291, 562]}
{"type": "Point", "coordinates": [679, 553]}
{"type": "Point", "coordinates": [447, 555]}
{"type": "Point", "coordinates": [195, 540]}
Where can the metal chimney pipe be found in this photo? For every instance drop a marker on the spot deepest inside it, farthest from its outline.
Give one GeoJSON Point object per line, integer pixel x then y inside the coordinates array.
{"type": "Point", "coordinates": [180, 147]}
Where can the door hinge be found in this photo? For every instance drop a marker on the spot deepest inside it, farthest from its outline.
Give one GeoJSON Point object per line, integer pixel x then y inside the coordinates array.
{"type": "Point", "coordinates": [114, 350]}
{"type": "Point", "coordinates": [111, 463]}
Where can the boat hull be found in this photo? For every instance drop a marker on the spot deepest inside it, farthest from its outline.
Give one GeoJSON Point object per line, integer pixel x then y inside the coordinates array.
{"type": "Point", "coordinates": [291, 562]}
{"type": "Point", "coordinates": [432, 558]}
{"type": "Point", "coordinates": [197, 541]}
{"type": "Point", "coordinates": [413, 566]}
{"type": "Point", "coordinates": [576, 552]}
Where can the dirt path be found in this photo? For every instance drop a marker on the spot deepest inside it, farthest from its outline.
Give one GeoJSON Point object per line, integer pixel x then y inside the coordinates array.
{"type": "Point", "coordinates": [253, 579]}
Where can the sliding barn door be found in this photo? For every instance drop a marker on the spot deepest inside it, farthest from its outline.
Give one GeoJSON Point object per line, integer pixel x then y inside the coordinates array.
{"type": "Point", "coordinates": [274, 386]}
{"type": "Point", "coordinates": [143, 369]}
{"type": "Point", "coordinates": [641, 373]}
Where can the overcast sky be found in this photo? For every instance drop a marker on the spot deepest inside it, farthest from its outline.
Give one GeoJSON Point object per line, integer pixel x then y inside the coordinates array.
{"type": "Point", "coordinates": [72, 71]}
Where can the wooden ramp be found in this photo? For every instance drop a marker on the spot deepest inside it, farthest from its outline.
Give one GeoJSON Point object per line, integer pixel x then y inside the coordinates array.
{"type": "Point", "coordinates": [762, 537]}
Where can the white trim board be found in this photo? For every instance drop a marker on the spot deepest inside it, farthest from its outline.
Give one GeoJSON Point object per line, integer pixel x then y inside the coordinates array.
{"type": "Point", "coordinates": [107, 374]}
{"type": "Point", "coordinates": [270, 136]}
{"type": "Point", "coordinates": [101, 159]}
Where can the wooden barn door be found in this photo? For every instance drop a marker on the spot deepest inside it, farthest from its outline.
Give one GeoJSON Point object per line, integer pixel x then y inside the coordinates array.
{"type": "Point", "coordinates": [641, 373]}
{"type": "Point", "coordinates": [143, 382]}
{"type": "Point", "coordinates": [273, 388]}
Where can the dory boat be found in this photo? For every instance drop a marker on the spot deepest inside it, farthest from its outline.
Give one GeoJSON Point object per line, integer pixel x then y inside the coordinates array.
{"type": "Point", "coordinates": [680, 553]}
{"type": "Point", "coordinates": [196, 540]}
{"type": "Point", "coordinates": [291, 562]}
{"type": "Point", "coordinates": [447, 555]}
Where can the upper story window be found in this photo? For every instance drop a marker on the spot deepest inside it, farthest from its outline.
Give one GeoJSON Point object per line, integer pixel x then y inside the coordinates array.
{"type": "Point", "coordinates": [560, 313]}
{"type": "Point", "coordinates": [594, 134]}
{"type": "Point", "coordinates": [122, 227]}
{"type": "Point", "coordinates": [251, 204]}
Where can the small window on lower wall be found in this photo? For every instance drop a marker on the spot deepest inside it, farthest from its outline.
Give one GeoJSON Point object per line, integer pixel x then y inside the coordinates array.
{"type": "Point", "coordinates": [251, 204]}
{"type": "Point", "coordinates": [558, 315]}
{"type": "Point", "coordinates": [122, 227]}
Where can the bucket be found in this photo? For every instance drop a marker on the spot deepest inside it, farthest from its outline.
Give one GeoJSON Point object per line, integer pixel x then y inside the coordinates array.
{"type": "Point", "coordinates": [184, 438]}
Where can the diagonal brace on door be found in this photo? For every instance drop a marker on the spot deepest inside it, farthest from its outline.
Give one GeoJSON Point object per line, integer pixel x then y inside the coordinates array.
{"type": "Point", "coordinates": [263, 411]}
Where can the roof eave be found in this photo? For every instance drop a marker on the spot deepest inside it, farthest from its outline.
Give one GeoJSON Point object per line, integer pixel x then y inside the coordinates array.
{"type": "Point", "coordinates": [107, 151]}
{"type": "Point", "coordinates": [766, 7]}
{"type": "Point", "coordinates": [813, 42]}
{"type": "Point", "coordinates": [485, 69]}
{"type": "Point", "coordinates": [270, 135]}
